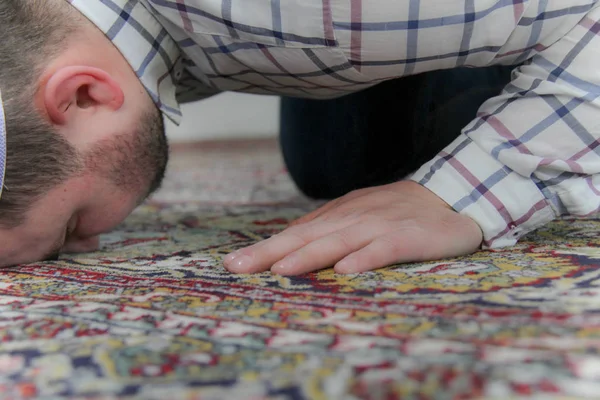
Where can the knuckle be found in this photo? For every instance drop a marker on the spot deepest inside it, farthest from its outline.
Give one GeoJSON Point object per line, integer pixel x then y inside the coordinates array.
{"type": "Point", "coordinates": [389, 243]}
{"type": "Point", "coordinates": [299, 234]}
{"type": "Point", "coordinates": [343, 240]}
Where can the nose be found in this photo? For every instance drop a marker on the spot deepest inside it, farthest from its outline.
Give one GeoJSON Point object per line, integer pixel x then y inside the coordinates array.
{"type": "Point", "coordinates": [82, 245]}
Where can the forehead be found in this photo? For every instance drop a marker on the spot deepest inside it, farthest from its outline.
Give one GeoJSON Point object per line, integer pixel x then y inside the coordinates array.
{"type": "Point", "coordinates": [40, 231]}
{"type": "Point", "coordinates": [24, 244]}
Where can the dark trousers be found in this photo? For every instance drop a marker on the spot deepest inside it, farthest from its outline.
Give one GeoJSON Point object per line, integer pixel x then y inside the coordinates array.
{"type": "Point", "coordinates": [379, 135]}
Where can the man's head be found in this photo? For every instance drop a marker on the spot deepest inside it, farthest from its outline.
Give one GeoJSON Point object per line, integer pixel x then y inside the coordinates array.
{"type": "Point", "coordinates": [85, 143]}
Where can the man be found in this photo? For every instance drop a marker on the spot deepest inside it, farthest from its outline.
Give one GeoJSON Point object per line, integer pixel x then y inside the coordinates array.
{"type": "Point", "coordinates": [83, 81]}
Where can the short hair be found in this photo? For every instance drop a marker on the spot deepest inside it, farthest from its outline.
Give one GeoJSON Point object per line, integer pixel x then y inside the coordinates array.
{"type": "Point", "coordinates": [33, 33]}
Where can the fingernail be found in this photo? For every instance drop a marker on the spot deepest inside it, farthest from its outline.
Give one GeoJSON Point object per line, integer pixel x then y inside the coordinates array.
{"type": "Point", "coordinates": [346, 267]}
{"type": "Point", "coordinates": [230, 257]}
{"type": "Point", "coordinates": [241, 264]}
{"type": "Point", "coordinates": [280, 268]}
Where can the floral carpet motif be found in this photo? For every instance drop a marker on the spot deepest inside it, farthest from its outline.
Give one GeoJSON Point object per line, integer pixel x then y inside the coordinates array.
{"type": "Point", "coordinates": [154, 315]}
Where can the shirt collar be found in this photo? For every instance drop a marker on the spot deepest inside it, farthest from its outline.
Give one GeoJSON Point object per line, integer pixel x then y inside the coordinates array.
{"type": "Point", "coordinates": [145, 44]}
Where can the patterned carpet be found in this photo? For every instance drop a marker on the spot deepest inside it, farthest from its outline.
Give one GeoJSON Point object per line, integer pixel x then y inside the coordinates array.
{"type": "Point", "coordinates": [153, 315]}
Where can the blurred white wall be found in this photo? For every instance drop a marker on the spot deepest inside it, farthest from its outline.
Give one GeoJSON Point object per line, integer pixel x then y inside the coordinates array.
{"type": "Point", "coordinates": [227, 116]}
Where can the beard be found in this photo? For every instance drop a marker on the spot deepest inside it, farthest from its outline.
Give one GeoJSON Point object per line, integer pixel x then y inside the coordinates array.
{"type": "Point", "coordinates": [134, 163]}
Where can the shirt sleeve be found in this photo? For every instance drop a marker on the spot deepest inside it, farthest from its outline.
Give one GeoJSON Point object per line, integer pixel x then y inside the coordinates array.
{"type": "Point", "coordinates": [190, 88]}
{"type": "Point", "coordinates": [533, 152]}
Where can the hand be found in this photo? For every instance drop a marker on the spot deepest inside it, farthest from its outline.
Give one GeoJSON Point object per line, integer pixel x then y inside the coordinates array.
{"type": "Point", "coordinates": [366, 229]}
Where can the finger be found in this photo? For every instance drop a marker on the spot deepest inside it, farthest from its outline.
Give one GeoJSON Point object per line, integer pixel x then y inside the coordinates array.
{"type": "Point", "coordinates": [382, 252]}
{"type": "Point", "coordinates": [428, 242]}
{"type": "Point", "coordinates": [328, 250]}
{"type": "Point", "coordinates": [261, 256]}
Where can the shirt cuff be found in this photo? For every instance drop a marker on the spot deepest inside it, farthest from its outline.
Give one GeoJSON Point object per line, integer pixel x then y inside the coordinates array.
{"type": "Point", "coordinates": [506, 205]}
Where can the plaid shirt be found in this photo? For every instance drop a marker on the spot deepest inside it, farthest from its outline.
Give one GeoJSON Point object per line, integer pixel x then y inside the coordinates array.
{"type": "Point", "coordinates": [531, 154]}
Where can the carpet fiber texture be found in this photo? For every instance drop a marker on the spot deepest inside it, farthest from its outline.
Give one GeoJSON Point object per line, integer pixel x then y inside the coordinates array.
{"type": "Point", "coordinates": [153, 314]}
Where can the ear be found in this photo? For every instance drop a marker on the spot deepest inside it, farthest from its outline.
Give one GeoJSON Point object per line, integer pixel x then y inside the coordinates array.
{"type": "Point", "coordinates": [75, 91]}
